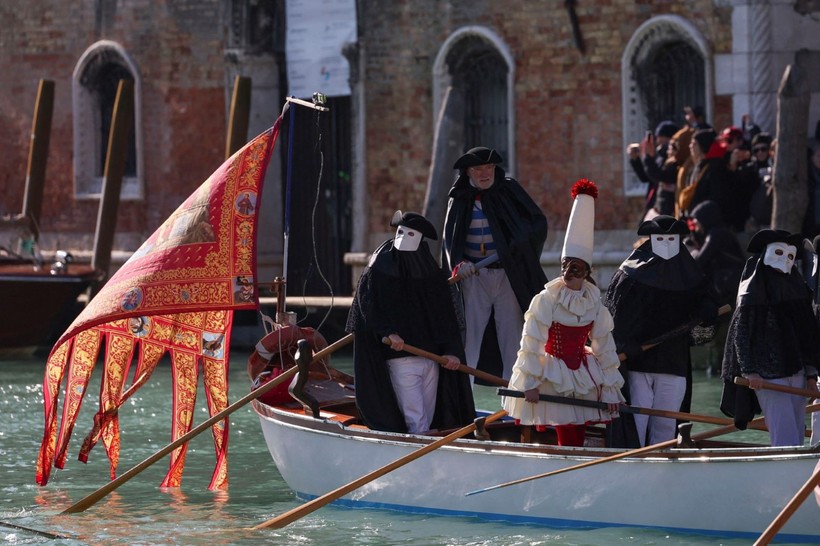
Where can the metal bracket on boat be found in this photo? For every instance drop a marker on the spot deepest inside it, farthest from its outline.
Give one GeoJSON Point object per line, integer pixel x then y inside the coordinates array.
{"type": "Point", "coordinates": [480, 432]}
{"type": "Point", "coordinates": [303, 357]}
{"type": "Point", "coordinates": [684, 435]}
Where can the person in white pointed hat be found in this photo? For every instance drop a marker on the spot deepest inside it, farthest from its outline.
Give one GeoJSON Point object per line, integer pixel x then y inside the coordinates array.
{"type": "Point", "coordinates": [554, 358]}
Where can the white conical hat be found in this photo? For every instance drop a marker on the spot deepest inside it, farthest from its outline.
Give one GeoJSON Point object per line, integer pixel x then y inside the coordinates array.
{"type": "Point", "coordinates": [578, 241]}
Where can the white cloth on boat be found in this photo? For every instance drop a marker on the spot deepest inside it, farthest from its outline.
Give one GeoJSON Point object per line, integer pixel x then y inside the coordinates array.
{"type": "Point", "coordinates": [491, 290]}
{"type": "Point", "coordinates": [598, 379]}
{"type": "Point", "coordinates": [660, 391]}
{"type": "Point", "coordinates": [415, 382]}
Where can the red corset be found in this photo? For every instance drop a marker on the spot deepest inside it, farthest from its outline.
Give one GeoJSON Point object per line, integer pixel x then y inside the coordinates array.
{"type": "Point", "coordinates": [567, 343]}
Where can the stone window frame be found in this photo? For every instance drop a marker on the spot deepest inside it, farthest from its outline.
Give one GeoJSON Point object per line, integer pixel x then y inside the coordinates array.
{"type": "Point", "coordinates": [442, 79]}
{"type": "Point", "coordinates": [86, 127]}
{"type": "Point", "coordinates": [655, 32]}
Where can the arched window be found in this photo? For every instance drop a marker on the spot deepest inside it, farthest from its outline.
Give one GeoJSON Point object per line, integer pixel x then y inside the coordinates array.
{"type": "Point", "coordinates": [666, 65]}
{"type": "Point", "coordinates": [94, 90]}
{"type": "Point", "coordinates": [478, 66]}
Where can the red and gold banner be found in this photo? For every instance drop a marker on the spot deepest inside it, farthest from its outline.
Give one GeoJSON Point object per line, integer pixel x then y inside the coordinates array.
{"type": "Point", "coordinates": [175, 296]}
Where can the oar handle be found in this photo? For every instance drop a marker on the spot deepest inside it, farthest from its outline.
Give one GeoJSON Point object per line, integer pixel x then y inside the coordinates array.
{"type": "Point", "coordinates": [300, 511]}
{"type": "Point", "coordinates": [780, 388]}
{"type": "Point", "coordinates": [92, 499]}
{"type": "Point", "coordinates": [675, 332]}
{"type": "Point", "coordinates": [489, 260]}
{"type": "Point", "coordinates": [624, 408]}
{"type": "Point", "coordinates": [488, 377]}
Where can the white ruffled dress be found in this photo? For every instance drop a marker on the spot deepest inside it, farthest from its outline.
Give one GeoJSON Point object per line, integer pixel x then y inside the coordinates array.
{"type": "Point", "coordinates": [597, 378]}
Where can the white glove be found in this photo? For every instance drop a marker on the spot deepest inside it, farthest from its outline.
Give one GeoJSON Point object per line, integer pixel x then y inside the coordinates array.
{"type": "Point", "coordinates": [465, 269]}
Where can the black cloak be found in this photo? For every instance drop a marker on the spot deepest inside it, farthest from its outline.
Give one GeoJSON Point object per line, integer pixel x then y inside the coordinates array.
{"type": "Point", "coordinates": [772, 333]}
{"type": "Point", "coordinates": [518, 226]}
{"type": "Point", "coordinates": [405, 293]}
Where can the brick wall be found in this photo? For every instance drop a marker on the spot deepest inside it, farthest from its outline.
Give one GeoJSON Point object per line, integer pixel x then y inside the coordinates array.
{"type": "Point", "coordinates": [567, 105]}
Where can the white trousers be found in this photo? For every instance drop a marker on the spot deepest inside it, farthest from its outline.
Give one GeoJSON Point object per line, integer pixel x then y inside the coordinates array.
{"type": "Point", "coordinates": [785, 414]}
{"type": "Point", "coordinates": [656, 391]}
{"type": "Point", "coordinates": [415, 382]}
{"type": "Point", "coordinates": [491, 290]}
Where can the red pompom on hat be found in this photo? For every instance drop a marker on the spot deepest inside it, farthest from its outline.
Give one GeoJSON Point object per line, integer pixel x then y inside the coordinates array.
{"type": "Point", "coordinates": [584, 187]}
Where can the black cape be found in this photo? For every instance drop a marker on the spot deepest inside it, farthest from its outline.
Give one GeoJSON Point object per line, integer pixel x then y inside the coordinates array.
{"type": "Point", "coordinates": [405, 293]}
{"type": "Point", "coordinates": [518, 226]}
{"type": "Point", "coordinates": [773, 333]}
{"type": "Point", "coordinates": [648, 297]}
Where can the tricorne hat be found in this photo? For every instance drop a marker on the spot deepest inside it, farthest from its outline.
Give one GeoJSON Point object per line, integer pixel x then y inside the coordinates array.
{"type": "Point", "coordinates": [764, 237]}
{"type": "Point", "coordinates": [578, 241]}
{"type": "Point", "coordinates": [416, 221]}
{"type": "Point", "coordinates": [663, 224]}
{"type": "Point", "coordinates": [477, 156]}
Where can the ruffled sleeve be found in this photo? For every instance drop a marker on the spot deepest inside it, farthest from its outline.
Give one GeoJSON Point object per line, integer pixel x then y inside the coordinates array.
{"type": "Point", "coordinates": [531, 356]}
{"type": "Point", "coordinates": [603, 347]}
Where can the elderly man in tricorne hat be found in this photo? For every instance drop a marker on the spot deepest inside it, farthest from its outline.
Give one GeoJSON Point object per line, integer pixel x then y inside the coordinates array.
{"type": "Point", "coordinates": [490, 213]}
{"type": "Point", "coordinates": [658, 288]}
{"type": "Point", "coordinates": [773, 337]}
{"type": "Point", "coordinates": [403, 295]}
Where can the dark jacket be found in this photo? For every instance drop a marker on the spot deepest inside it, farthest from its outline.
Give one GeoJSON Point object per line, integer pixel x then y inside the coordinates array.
{"type": "Point", "coordinates": [719, 254]}
{"type": "Point", "coordinates": [518, 226]}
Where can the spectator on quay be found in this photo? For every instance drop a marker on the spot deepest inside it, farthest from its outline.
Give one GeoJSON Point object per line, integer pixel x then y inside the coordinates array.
{"type": "Point", "coordinates": [490, 213]}
{"type": "Point", "coordinates": [743, 178]}
{"type": "Point", "coordinates": [661, 172]}
{"type": "Point", "coordinates": [679, 150]}
{"type": "Point", "coordinates": [762, 163]}
{"type": "Point", "coordinates": [717, 251]}
{"type": "Point", "coordinates": [695, 117]}
{"type": "Point", "coordinates": [708, 180]}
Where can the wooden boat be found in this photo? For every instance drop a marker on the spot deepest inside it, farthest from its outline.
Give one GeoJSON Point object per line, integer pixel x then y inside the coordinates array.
{"type": "Point", "coordinates": [39, 301]}
{"type": "Point", "coordinates": [717, 488]}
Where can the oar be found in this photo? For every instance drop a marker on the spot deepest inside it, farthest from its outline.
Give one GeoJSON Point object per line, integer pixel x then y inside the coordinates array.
{"type": "Point", "coordinates": [300, 511]}
{"type": "Point", "coordinates": [623, 408]}
{"type": "Point", "coordinates": [491, 259]}
{"type": "Point", "coordinates": [790, 508]}
{"type": "Point", "coordinates": [675, 332]}
{"type": "Point", "coordinates": [630, 453]}
{"type": "Point", "coordinates": [488, 377]}
{"type": "Point", "coordinates": [92, 499]}
{"type": "Point", "coordinates": [780, 388]}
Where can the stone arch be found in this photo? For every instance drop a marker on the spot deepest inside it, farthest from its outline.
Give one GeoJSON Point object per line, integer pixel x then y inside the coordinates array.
{"type": "Point", "coordinates": [476, 48]}
{"type": "Point", "coordinates": [653, 46]}
{"type": "Point", "coordinates": [103, 62]}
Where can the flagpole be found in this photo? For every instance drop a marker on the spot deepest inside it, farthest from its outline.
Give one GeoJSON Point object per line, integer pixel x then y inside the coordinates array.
{"type": "Point", "coordinates": [317, 104]}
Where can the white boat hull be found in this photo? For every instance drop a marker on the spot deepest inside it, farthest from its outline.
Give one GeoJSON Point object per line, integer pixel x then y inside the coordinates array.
{"type": "Point", "coordinates": [710, 494]}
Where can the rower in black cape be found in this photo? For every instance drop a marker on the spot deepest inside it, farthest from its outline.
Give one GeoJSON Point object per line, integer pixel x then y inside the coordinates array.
{"type": "Point", "coordinates": [403, 292]}
{"type": "Point", "coordinates": [773, 336]}
{"type": "Point", "coordinates": [656, 289]}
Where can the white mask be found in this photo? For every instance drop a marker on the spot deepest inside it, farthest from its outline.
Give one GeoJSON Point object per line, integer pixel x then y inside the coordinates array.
{"type": "Point", "coordinates": [665, 245]}
{"type": "Point", "coordinates": [406, 239]}
{"type": "Point", "coordinates": [780, 256]}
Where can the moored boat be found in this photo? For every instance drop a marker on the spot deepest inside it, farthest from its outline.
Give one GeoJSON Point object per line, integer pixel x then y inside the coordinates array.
{"type": "Point", "coordinates": [718, 488]}
{"type": "Point", "coordinates": [39, 301]}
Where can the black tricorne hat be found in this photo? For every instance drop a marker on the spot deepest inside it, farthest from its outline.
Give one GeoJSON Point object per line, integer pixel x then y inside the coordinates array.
{"type": "Point", "coordinates": [416, 221]}
{"type": "Point", "coordinates": [765, 237]}
{"type": "Point", "coordinates": [477, 156]}
{"type": "Point", "coordinates": [663, 224]}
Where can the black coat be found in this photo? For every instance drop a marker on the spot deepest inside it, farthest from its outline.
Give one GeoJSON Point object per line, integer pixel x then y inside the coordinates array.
{"type": "Point", "coordinates": [518, 226]}
{"type": "Point", "coordinates": [648, 297]}
{"type": "Point", "coordinates": [405, 293]}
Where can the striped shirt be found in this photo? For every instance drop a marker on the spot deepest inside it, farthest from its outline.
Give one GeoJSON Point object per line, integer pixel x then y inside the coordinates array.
{"type": "Point", "coordinates": [479, 238]}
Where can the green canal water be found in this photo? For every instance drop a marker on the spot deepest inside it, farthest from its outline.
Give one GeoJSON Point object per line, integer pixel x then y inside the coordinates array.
{"type": "Point", "coordinates": [140, 513]}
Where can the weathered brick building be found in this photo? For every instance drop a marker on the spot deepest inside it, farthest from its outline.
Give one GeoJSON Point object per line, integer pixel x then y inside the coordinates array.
{"type": "Point", "coordinates": [559, 87]}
